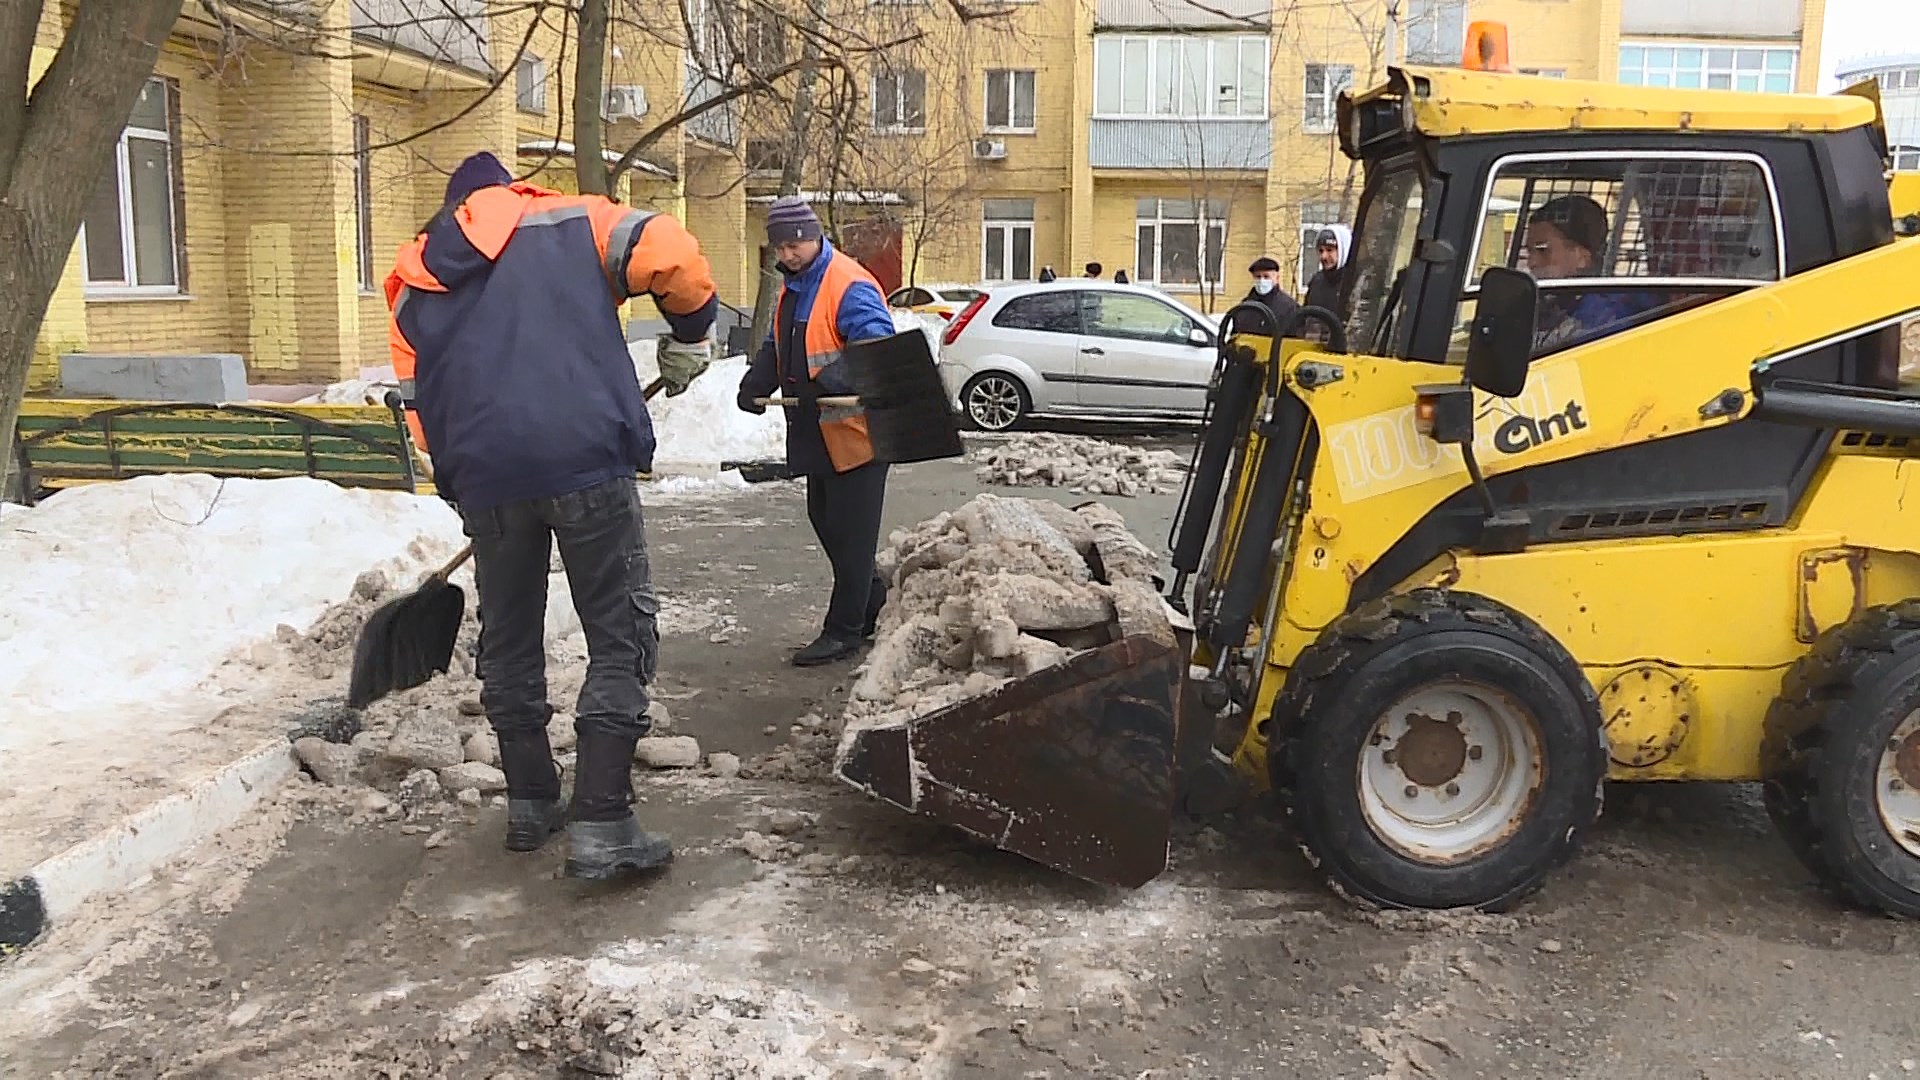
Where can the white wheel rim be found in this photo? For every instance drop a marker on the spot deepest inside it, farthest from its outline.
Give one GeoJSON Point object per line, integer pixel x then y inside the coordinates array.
{"type": "Point", "coordinates": [1896, 788]}
{"type": "Point", "coordinates": [1449, 771]}
{"type": "Point", "coordinates": [994, 403]}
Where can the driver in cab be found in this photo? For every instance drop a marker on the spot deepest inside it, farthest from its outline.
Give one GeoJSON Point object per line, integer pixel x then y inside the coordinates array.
{"type": "Point", "coordinates": [1566, 238]}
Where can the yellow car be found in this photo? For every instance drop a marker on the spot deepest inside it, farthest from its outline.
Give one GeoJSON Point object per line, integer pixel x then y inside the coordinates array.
{"type": "Point", "coordinates": [946, 301]}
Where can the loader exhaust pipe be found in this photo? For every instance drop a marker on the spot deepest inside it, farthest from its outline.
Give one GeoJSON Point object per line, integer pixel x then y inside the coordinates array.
{"type": "Point", "coordinates": [1233, 397]}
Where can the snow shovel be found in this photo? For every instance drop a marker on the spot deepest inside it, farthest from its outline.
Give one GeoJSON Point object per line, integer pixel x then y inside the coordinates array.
{"type": "Point", "coordinates": [898, 385]}
{"type": "Point", "coordinates": [411, 638]}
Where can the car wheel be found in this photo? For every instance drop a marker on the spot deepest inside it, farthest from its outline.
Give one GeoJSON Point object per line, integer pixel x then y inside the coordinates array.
{"type": "Point", "coordinates": [994, 401]}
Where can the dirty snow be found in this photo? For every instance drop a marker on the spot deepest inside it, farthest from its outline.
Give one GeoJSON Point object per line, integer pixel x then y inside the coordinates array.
{"type": "Point", "coordinates": [125, 603]}
{"type": "Point", "coordinates": [995, 590]}
{"type": "Point", "coordinates": [1079, 463]}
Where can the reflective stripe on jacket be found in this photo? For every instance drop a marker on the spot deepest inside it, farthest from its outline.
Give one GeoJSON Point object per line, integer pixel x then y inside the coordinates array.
{"type": "Point", "coordinates": [507, 342]}
{"type": "Point", "coordinates": [843, 428]}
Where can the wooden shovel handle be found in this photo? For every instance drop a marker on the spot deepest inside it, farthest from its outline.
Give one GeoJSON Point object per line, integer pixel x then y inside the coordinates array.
{"type": "Point", "coordinates": [845, 402]}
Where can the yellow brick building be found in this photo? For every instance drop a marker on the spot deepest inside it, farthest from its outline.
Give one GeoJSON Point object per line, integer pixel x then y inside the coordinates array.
{"type": "Point", "coordinates": [258, 193]}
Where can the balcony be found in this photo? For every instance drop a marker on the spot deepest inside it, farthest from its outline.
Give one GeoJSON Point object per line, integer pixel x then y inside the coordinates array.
{"type": "Point", "coordinates": [1180, 14]}
{"type": "Point", "coordinates": [719, 126]}
{"type": "Point", "coordinates": [1183, 145]}
{"type": "Point", "coordinates": [451, 32]}
{"type": "Point", "coordinates": [1711, 18]}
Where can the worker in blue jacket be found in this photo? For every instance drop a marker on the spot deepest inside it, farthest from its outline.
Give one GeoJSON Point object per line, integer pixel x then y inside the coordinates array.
{"type": "Point", "coordinates": [829, 300]}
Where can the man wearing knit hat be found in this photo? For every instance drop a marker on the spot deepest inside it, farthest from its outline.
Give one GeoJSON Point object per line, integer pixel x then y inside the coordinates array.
{"type": "Point", "coordinates": [507, 342]}
{"type": "Point", "coordinates": [829, 300]}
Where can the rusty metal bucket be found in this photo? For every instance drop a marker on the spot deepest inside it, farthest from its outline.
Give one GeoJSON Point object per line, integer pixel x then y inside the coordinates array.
{"type": "Point", "coordinates": [1079, 767]}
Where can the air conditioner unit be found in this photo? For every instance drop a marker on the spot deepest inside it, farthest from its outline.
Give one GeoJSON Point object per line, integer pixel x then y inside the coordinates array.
{"type": "Point", "coordinates": [625, 103]}
{"type": "Point", "coordinates": [990, 149]}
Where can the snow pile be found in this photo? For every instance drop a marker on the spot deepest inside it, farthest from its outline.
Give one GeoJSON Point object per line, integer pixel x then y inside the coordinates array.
{"type": "Point", "coordinates": [632, 1013]}
{"type": "Point", "coordinates": [998, 589]}
{"type": "Point", "coordinates": [932, 326]}
{"type": "Point", "coordinates": [118, 594]}
{"type": "Point", "coordinates": [351, 392]}
{"type": "Point", "coordinates": [704, 426]}
{"type": "Point", "coordinates": [1081, 464]}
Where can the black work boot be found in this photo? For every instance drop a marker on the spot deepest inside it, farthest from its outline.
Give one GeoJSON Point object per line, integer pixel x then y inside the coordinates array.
{"type": "Point", "coordinates": [533, 790]}
{"type": "Point", "coordinates": [826, 649]}
{"type": "Point", "coordinates": [531, 821]}
{"type": "Point", "coordinates": [603, 839]}
{"type": "Point", "coordinates": [598, 850]}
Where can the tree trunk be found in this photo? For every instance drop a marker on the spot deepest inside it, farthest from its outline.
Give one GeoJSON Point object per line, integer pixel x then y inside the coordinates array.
{"type": "Point", "coordinates": [589, 91]}
{"type": "Point", "coordinates": [55, 143]}
{"type": "Point", "coordinates": [790, 175]}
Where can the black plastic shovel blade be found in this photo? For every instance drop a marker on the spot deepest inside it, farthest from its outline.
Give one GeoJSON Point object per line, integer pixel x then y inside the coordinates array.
{"type": "Point", "coordinates": [1074, 767]}
{"type": "Point", "coordinates": [908, 417]}
{"type": "Point", "coordinates": [406, 641]}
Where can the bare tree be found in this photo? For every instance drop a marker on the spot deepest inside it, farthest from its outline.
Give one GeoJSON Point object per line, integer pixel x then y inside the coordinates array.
{"type": "Point", "coordinates": [64, 127]}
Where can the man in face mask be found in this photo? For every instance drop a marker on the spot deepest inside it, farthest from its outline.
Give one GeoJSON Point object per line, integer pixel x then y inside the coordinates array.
{"type": "Point", "coordinates": [1267, 290]}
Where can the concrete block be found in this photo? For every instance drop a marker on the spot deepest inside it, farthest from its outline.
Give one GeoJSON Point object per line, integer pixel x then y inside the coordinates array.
{"type": "Point", "coordinates": [208, 377]}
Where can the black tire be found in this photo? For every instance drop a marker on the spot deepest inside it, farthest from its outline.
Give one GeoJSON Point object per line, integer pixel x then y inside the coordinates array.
{"type": "Point", "coordinates": [987, 382]}
{"type": "Point", "coordinates": [1426, 642]}
{"type": "Point", "coordinates": [1838, 710]}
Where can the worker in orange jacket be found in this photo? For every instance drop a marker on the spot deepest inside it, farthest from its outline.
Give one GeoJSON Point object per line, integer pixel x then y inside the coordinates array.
{"type": "Point", "coordinates": [507, 342]}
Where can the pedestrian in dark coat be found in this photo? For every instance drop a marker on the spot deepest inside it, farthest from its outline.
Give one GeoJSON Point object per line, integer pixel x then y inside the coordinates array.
{"type": "Point", "coordinates": [1267, 291]}
{"type": "Point", "coordinates": [1334, 244]}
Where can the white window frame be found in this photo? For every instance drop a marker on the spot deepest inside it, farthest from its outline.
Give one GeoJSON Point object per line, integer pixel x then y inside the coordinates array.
{"type": "Point", "coordinates": [1906, 158]}
{"type": "Point", "coordinates": [1773, 205]}
{"type": "Point", "coordinates": [1150, 274]}
{"type": "Point", "coordinates": [127, 285]}
{"type": "Point", "coordinates": [1328, 97]}
{"type": "Point", "coordinates": [1012, 78]}
{"type": "Point", "coordinates": [1543, 72]}
{"type": "Point", "coordinates": [363, 202]}
{"type": "Point", "coordinates": [1210, 106]}
{"type": "Point", "coordinates": [897, 124]}
{"type": "Point", "coordinates": [1642, 75]}
{"type": "Point", "coordinates": [1437, 11]}
{"type": "Point", "coordinates": [530, 85]}
{"type": "Point", "coordinates": [1007, 226]}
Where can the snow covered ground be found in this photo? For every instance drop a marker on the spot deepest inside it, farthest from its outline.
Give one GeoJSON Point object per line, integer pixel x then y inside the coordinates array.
{"type": "Point", "coordinates": [695, 432]}
{"type": "Point", "coordinates": [123, 600]}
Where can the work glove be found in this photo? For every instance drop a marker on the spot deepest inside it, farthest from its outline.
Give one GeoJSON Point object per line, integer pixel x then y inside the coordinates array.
{"type": "Point", "coordinates": [681, 362]}
{"type": "Point", "coordinates": [747, 404]}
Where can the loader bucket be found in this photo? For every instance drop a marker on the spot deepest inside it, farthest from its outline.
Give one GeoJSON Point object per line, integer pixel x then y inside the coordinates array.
{"type": "Point", "coordinates": [1076, 767]}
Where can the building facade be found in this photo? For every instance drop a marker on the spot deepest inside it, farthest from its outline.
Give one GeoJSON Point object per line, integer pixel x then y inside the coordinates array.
{"type": "Point", "coordinates": [1898, 75]}
{"type": "Point", "coordinates": [258, 194]}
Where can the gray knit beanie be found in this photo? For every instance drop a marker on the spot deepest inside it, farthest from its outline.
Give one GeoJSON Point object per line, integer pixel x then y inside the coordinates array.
{"type": "Point", "coordinates": [790, 218]}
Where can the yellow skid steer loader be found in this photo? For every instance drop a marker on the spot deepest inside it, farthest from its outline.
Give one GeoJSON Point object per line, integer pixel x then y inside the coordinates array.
{"type": "Point", "coordinates": [1601, 471]}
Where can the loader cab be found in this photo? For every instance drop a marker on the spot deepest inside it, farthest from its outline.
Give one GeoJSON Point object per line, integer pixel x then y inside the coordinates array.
{"type": "Point", "coordinates": [1468, 173]}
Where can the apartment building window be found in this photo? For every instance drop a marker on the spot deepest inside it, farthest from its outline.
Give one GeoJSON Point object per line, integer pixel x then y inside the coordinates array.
{"type": "Point", "coordinates": [766, 40]}
{"type": "Point", "coordinates": [132, 226]}
{"type": "Point", "coordinates": [1436, 31]}
{"type": "Point", "coordinates": [1324, 83]}
{"type": "Point", "coordinates": [363, 199]}
{"type": "Point", "coordinates": [1544, 73]}
{"type": "Point", "coordinates": [1899, 79]}
{"type": "Point", "coordinates": [1010, 100]}
{"type": "Point", "coordinates": [1006, 242]}
{"type": "Point", "coordinates": [766, 155]}
{"type": "Point", "coordinates": [900, 101]}
{"type": "Point", "coordinates": [1315, 215]}
{"type": "Point", "coordinates": [1169, 237]}
{"type": "Point", "coordinates": [1906, 158]}
{"type": "Point", "coordinates": [1189, 77]}
{"type": "Point", "coordinates": [530, 84]}
{"type": "Point", "coordinates": [1694, 67]}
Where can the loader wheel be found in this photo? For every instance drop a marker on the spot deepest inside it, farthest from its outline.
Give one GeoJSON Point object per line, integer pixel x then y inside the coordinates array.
{"type": "Point", "coordinates": [1437, 750]}
{"type": "Point", "coordinates": [1841, 757]}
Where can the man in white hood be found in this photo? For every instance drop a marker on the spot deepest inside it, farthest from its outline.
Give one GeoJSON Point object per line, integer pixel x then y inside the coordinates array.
{"type": "Point", "coordinates": [1333, 245]}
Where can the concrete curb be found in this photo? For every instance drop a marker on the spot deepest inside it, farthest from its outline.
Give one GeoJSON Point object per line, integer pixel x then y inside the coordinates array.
{"type": "Point", "coordinates": [139, 844]}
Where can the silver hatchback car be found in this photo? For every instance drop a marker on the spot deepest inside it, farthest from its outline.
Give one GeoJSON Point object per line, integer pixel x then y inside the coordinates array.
{"type": "Point", "coordinates": [1076, 348]}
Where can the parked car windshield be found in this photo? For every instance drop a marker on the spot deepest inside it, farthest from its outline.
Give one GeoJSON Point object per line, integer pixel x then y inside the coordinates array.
{"type": "Point", "coordinates": [1383, 248]}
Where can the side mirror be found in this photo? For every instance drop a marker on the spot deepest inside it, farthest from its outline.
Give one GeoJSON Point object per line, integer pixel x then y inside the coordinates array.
{"type": "Point", "coordinates": [1500, 343]}
{"type": "Point", "coordinates": [1199, 337]}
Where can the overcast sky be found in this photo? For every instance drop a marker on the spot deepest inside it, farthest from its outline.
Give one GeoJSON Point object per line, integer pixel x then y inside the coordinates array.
{"type": "Point", "coordinates": [1855, 27]}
